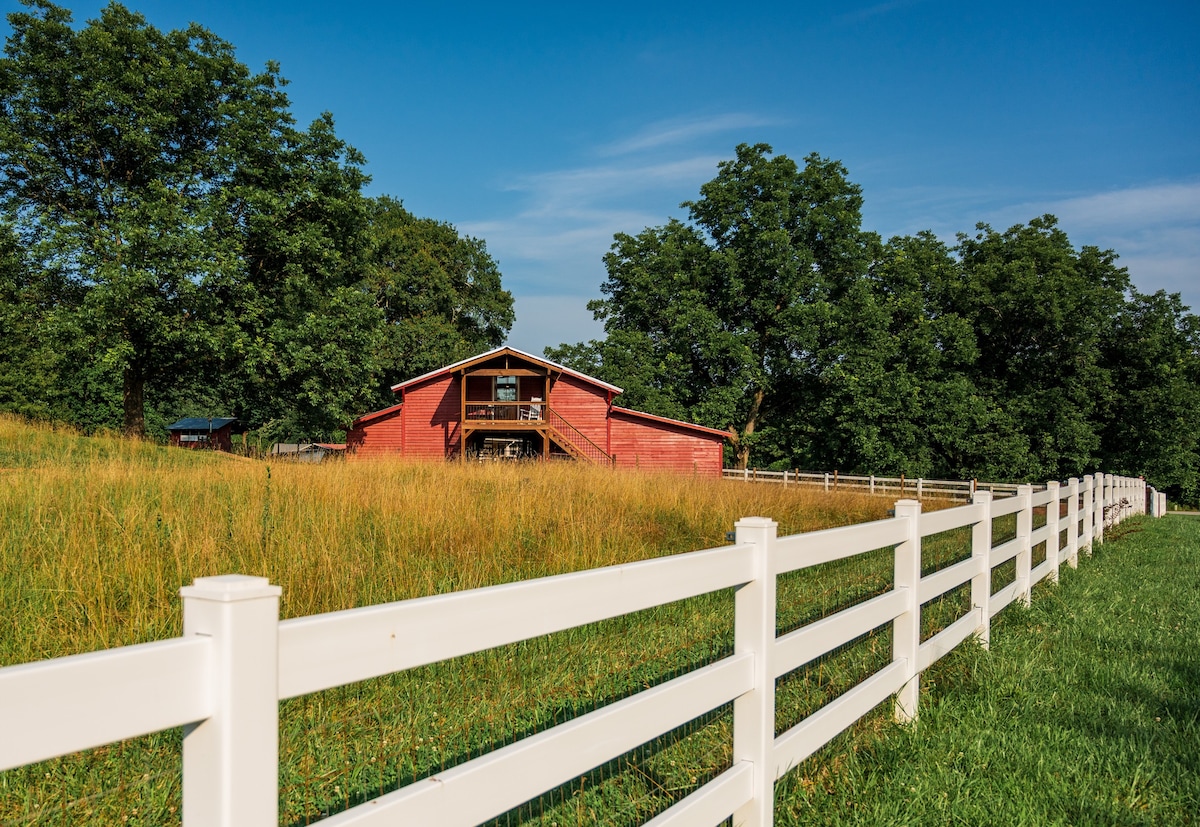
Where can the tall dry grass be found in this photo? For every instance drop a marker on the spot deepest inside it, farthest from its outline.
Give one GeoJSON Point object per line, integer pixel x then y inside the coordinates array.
{"type": "Point", "coordinates": [98, 533]}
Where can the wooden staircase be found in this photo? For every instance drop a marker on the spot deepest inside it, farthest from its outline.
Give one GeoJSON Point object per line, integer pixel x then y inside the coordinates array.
{"type": "Point", "coordinates": [574, 441]}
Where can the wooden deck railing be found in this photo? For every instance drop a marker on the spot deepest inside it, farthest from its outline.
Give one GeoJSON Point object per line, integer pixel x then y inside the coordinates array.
{"type": "Point", "coordinates": [505, 412]}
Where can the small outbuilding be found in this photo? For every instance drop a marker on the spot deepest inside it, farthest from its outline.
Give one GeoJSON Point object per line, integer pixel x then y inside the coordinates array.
{"type": "Point", "coordinates": [215, 432]}
{"type": "Point", "coordinates": [506, 404]}
{"type": "Point", "coordinates": [313, 452]}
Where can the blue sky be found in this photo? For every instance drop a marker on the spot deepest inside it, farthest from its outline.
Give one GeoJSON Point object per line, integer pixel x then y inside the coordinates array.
{"type": "Point", "coordinates": [546, 128]}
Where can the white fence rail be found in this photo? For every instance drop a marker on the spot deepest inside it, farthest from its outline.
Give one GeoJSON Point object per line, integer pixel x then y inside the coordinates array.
{"type": "Point", "coordinates": [898, 486]}
{"type": "Point", "coordinates": [224, 678]}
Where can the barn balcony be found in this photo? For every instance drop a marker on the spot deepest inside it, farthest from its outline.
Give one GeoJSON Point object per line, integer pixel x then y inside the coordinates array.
{"type": "Point", "coordinates": [503, 415]}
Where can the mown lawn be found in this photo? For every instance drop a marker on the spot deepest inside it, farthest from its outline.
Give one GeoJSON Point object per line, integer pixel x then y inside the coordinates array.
{"type": "Point", "coordinates": [1086, 711]}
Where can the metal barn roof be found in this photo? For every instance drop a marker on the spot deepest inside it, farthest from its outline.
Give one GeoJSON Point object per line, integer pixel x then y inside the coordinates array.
{"type": "Point", "coordinates": [201, 423]}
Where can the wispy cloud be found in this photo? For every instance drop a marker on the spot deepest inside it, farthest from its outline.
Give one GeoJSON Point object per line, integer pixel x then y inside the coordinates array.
{"type": "Point", "coordinates": [549, 193]}
{"type": "Point", "coordinates": [681, 131]}
{"type": "Point", "coordinates": [1154, 228]}
{"type": "Point", "coordinates": [877, 10]}
{"type": "Point", "coordinates": [1163, 204]}
{"type": "Point", "coordinates": [551, 240]}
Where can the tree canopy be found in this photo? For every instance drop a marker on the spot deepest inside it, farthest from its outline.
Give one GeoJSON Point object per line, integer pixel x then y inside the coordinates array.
{"type": "Point", "coordinates": [717, 320]}
{"type": "Point", "coordinates": [173, 244]}
{"type": "Point", "coordinates": [1013, 355]}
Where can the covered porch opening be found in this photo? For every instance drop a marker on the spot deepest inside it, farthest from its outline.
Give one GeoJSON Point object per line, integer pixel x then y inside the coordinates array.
{"type": "Point", "coordinates": [497, 445]}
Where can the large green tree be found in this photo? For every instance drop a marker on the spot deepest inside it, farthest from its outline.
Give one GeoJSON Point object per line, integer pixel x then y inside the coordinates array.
{"type": "Point", "coordinates": [115, 156]}
{"type": "Point", "coordinates": [895, 393]}
{"type": "Point", "coordinates": [1013, 355]}
{"type": "Point", "coordinates": [29, 359]}
{"type": "Point", "coordinates": [1041, 311]}
{"type": "Point", "coordinates": [1151, 426]}
{"type": "Point", "coordinates": [181, 247]}
{"type": "Point", "coordinates": [721, 320]}
{"type": "Point", "coordinates": [296, 327]}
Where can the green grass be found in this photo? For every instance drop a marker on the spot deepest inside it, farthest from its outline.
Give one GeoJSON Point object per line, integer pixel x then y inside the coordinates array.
{"type": "Point", "coordinates": [1086, 710]}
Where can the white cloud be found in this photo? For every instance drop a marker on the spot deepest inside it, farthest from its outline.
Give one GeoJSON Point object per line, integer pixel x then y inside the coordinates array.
{"type": "Point", "coordinates": [1164, 205]}
{"type": "Point", "coordinates": [1155, 229]}
{"type": "Point", "coordinates": [552, 240]}
{"type": "Point", "coordinates": [575, 189]}
{"type": "Point", "coordinates": [678, 131]}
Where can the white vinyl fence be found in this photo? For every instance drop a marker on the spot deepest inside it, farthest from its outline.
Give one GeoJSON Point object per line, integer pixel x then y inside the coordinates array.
{"type": "Point", "coordinates": [224, 678]}
{"type": "Point", "coordinates": [900, 486]}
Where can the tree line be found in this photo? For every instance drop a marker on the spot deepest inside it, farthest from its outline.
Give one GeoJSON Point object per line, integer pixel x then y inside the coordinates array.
{"type": "Point", "coordinates": [172, 243]}
{"type": "Point", "coordinates": [771, 313]}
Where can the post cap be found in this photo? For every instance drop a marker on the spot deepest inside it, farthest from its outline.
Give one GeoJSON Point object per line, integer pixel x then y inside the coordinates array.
{"type": "Point", "coordinates": [228, 588]}
{"type": "Point", "coordinates": [755, 522]}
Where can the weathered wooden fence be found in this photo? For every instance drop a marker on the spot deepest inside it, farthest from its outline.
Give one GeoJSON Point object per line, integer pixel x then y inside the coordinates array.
{"type": "Point", "coordinates": [224, 678]}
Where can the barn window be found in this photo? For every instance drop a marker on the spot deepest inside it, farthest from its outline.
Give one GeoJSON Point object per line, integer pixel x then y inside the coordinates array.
{"type": "Point", "coordinates": [506, 389]}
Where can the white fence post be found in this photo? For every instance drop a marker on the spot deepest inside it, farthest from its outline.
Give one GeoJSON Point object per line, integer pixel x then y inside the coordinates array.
{"type": "Point", "coordinates": [1053, 508]}
{"type": "Point", "coordinates": [754, 712]}
{"type": "Point", "coordinates": [1102, 494]}
{"type": "Point", "coordinates": [906, 634]}
{"type": "Point", "coordinates": [1024, 530]}
{"type": "Point", "coordinates": [231, 760]}
{"type": "Point", "coordinates": [1089, 508]}
{"type": "Point", "coordinates": [981, 581]}
{"type": "Point", "coordinates": [872, 483]}
{"type": "Point", "coordinates": [1113, 484]}
{"type": "Point", "coordinates": [1073, 522]}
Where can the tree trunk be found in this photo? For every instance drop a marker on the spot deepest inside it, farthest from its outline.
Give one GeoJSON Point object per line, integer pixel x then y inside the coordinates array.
{"type": "Point", "coordinates": [135, 403]}
{"type": "Point", "coordinates": [741, 450]}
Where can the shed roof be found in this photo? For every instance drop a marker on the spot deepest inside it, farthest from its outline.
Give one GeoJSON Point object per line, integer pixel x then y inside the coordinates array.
{"type": "Point", "coordinates": [201, 423]}
{"type": "Point", "coordinates": [691, 426]}
{"type": "Point", "coordinates": [367, 417]}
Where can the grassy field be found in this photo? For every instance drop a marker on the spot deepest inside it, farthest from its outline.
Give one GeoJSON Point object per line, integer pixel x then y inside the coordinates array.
{"type": "Point", "coordinates": [1086, 710]}
{"type": "Point", "coordinates": [97, 534]}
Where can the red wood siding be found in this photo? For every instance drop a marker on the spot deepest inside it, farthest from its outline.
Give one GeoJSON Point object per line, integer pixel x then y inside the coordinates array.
{"type": "Point", "coordinates": [661, 446]}
{"type": "Point", "coordinates": [431, 414]}
{"type": "Point", "coordinates": [426, 427]}
{"type": "Point", "coordinates": [377, 437]}
{"type": "Point", "coordinates": [583, 405]}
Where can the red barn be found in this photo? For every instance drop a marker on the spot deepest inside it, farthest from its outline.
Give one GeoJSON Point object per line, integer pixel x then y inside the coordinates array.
{"type": "Point", "coordinates": [505, 403]}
